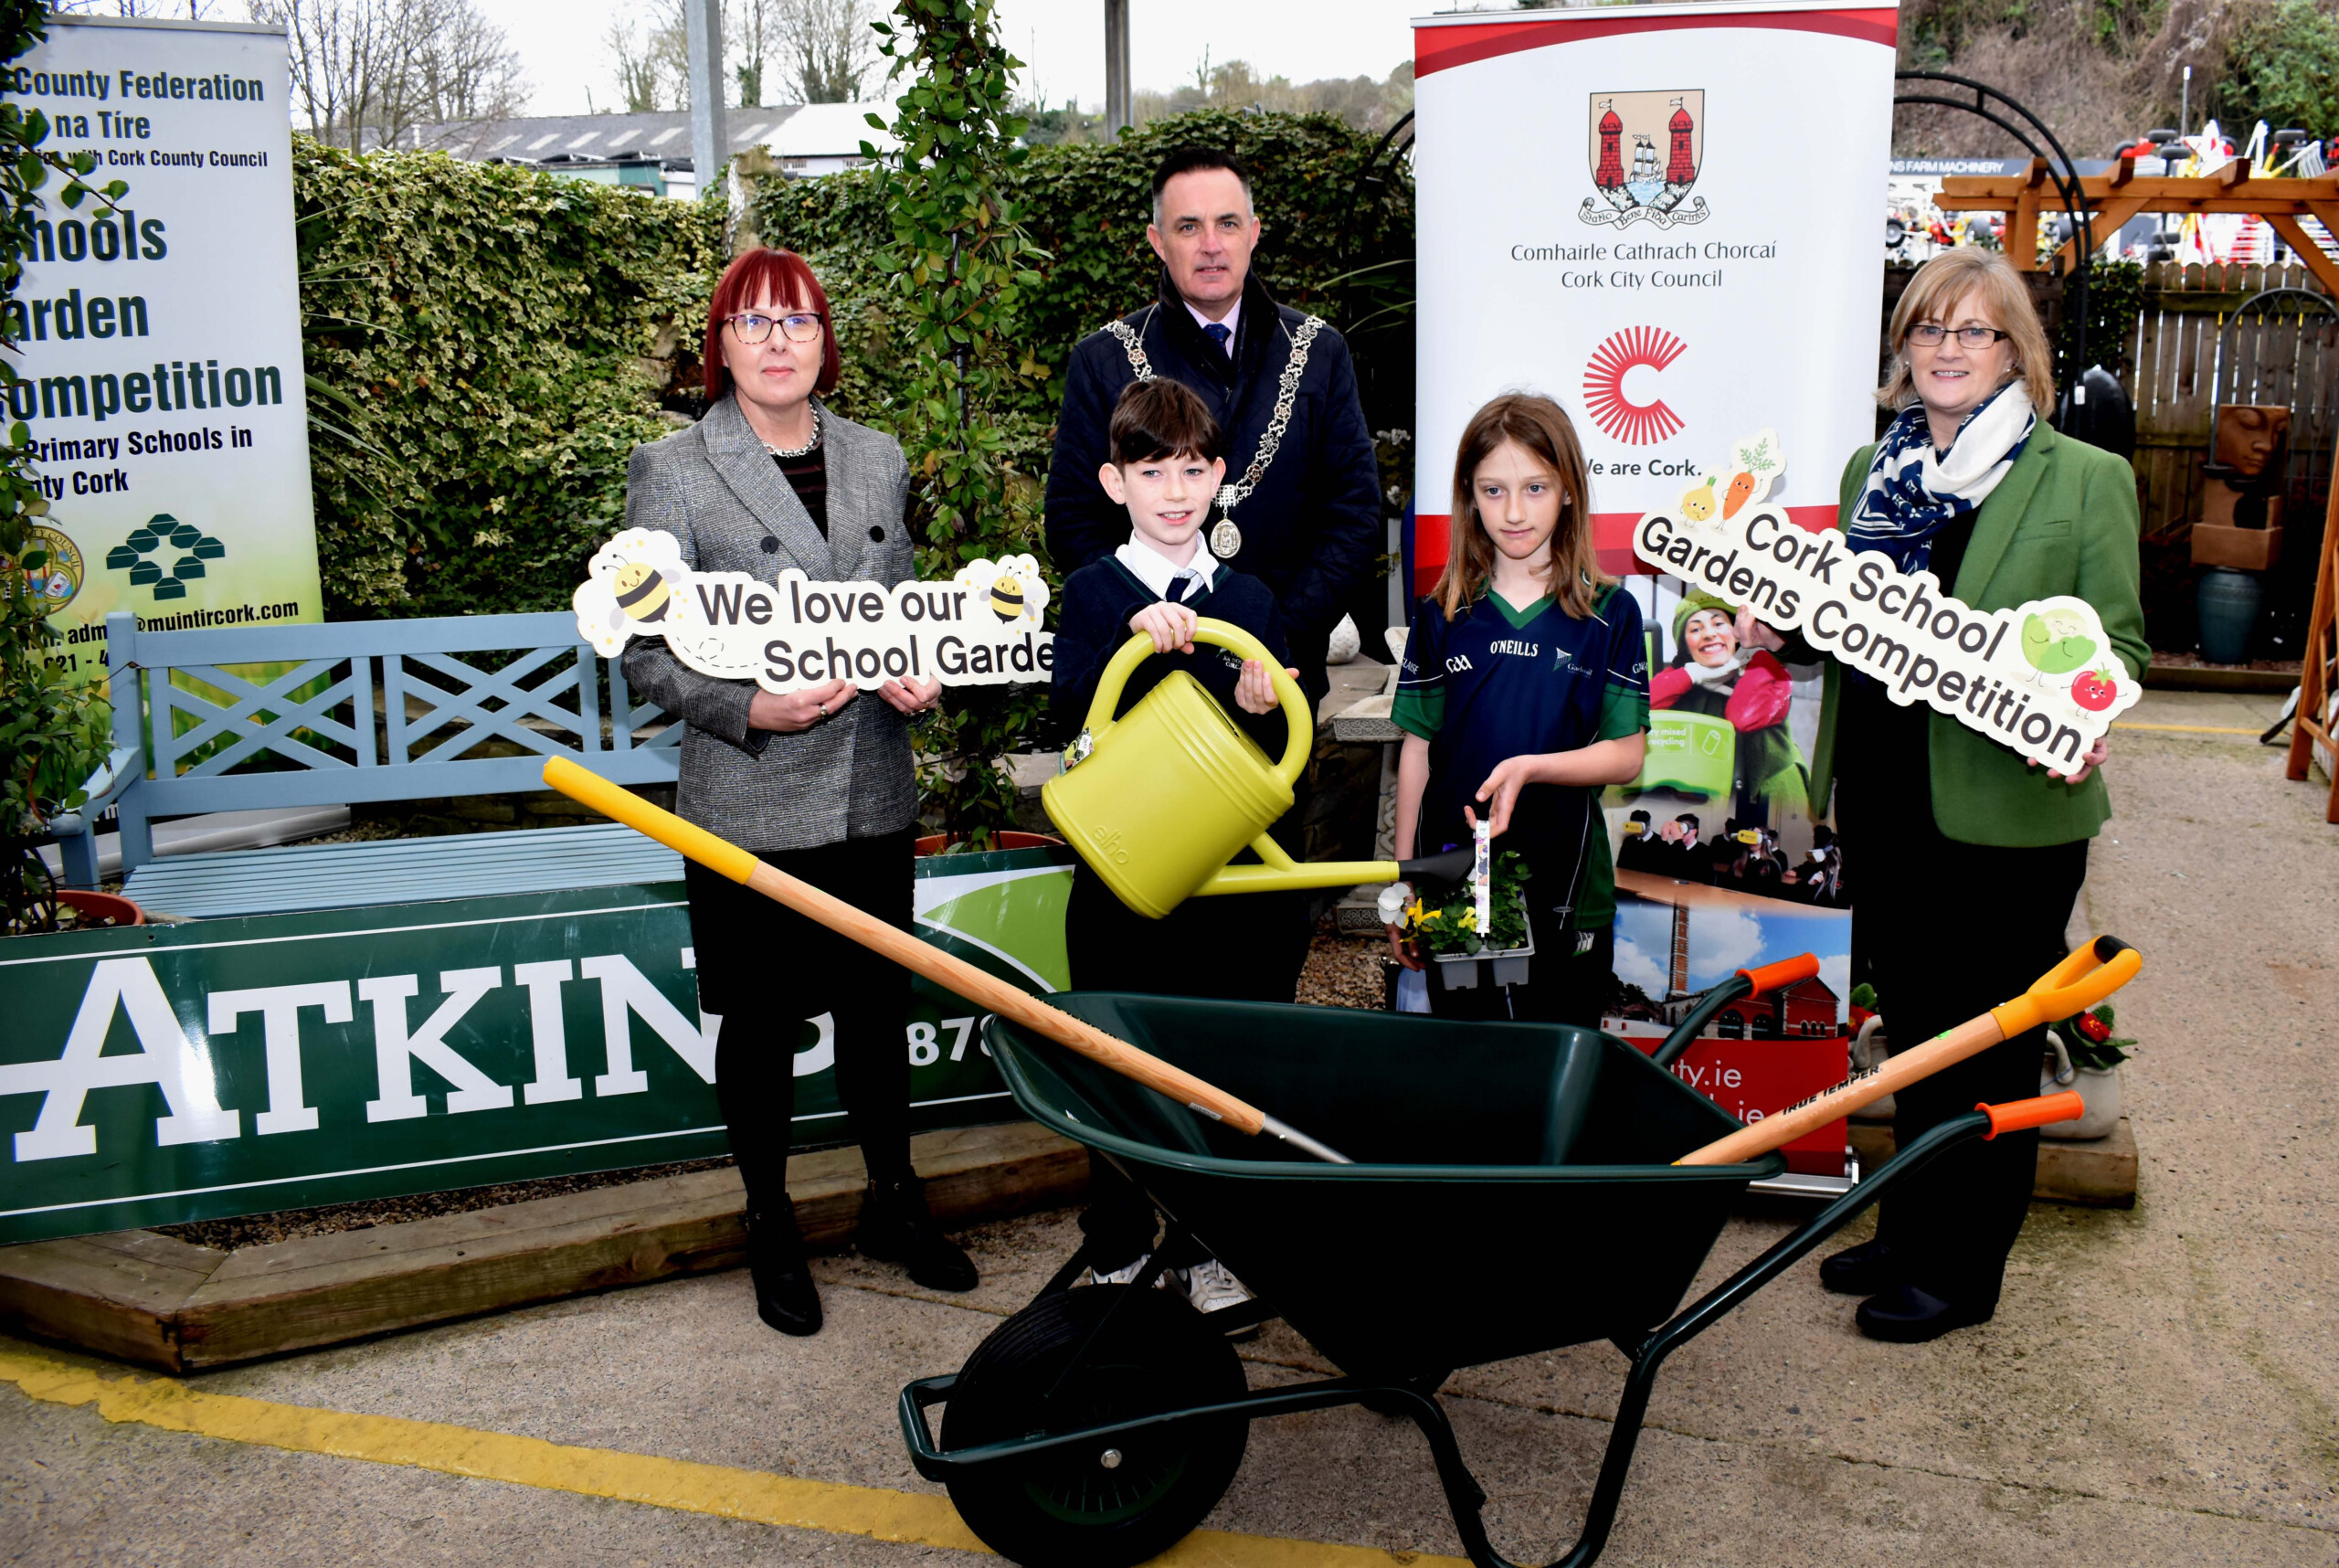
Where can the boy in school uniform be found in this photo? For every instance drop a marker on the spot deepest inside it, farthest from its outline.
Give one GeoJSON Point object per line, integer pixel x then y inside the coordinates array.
{"type": "Point", "coordinates": [1165, 463]}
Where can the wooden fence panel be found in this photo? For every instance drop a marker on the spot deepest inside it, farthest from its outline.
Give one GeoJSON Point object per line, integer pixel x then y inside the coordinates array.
{"type": "Point", "coordinates": [2184, 359]}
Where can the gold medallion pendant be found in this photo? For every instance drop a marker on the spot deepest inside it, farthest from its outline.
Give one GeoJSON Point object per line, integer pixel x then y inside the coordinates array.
{"type": "Point", "coordinates": [1226, 539]}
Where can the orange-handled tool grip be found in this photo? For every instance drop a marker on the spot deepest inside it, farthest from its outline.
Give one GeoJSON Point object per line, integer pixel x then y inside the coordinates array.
{"type": "Point", "coordinates": [1784, 973]}
{"type": "Point", "coordinates": [587, 788]}
{"type": "Point", "coordinates": [2018, 1115]}
{"type": "Point", "coordinates": [2076, 984]}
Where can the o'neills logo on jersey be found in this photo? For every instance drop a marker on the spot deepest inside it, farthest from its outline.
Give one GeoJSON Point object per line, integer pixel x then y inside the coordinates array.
{"type": "Point", "coordinates": [1645, 149]}
{"type": "Point", "coordinates": [1512, 645]}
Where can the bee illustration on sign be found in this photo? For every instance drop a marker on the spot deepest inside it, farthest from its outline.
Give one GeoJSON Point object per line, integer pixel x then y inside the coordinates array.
{"type": "Point", "coordinates": [1011, 588]}
{"type": "Point", "coordinates": [631, 586]}
{"type": "Point", "coordinates": [1645, 150]}
{"type": "Point", "coordinates": [981, 628]}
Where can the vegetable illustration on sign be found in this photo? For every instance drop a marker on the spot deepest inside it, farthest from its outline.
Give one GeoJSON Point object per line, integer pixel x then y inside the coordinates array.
{"type": "Point", "coordinates": [2094, 690]}
{"type": "Point", "coordinates": [2056, 642]}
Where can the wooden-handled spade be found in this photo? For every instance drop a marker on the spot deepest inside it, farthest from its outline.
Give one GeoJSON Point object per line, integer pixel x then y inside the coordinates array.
{"type": "Point", "coordinates": [943, 968]}
{"type": "Point", "coordinates": [2076, 984]}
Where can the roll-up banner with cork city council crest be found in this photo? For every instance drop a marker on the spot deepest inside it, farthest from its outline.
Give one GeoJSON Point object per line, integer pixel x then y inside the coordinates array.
{"type": "Point", "coordinates": [159, 337]}
{"type": "Point", "coordinates": [1664, 217]}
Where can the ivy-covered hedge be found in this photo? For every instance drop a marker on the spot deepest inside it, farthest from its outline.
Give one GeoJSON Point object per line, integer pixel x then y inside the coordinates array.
{"type": "Point", "coordinates": [491, 339]}
{"type": "Point", "coordinates": [1334, 241]}
{"type": "Point", "coordinates": [494, 341]}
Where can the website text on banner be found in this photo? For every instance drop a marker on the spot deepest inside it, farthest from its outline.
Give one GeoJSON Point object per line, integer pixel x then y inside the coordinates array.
{"type": "Point", "coordinates": [160, 340]}
{"type": "Point", "coordinates": [1651, 214]}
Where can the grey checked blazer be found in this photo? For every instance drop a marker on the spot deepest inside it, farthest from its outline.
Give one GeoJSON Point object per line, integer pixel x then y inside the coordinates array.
{"type": "Point", "coordinates": [715, 488]}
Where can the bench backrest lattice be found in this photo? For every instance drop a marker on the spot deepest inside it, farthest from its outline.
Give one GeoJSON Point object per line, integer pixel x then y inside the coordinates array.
{"type": "Point", "coordinates": [356, 711]}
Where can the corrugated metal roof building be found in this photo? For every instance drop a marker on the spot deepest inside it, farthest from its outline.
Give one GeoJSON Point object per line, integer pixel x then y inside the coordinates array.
{"type": "Point", "coordinates": [654, 150]}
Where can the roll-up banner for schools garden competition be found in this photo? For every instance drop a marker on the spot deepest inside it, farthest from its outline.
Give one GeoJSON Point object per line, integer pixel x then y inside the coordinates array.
{"type": "Point", "coordinates": [160, 338]}
{"type": "Point", "coordinates": [1664, 217]}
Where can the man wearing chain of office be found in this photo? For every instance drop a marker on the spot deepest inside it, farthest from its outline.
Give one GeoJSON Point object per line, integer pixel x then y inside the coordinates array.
{"type": "Point", "coordinates": [1299, 508]}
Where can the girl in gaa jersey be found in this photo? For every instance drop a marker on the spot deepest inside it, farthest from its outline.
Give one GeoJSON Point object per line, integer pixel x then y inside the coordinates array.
{"type": "Point", "coordinates": [1523, 693]}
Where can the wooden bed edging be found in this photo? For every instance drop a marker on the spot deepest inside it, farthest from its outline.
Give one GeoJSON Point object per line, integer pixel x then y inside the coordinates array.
{"type": "Point", "coordinates": [149, 1299]}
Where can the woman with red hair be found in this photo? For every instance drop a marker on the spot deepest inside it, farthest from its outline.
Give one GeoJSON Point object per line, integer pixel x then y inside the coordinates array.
{"type": "Point", "coordinates": [818, 782]}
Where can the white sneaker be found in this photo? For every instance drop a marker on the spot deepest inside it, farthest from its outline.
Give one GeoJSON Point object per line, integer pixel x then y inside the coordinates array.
{"type": "Point", "coordinates": [1121, 1276]}
{"type": "Point", "coordinates": [1210, 1286]}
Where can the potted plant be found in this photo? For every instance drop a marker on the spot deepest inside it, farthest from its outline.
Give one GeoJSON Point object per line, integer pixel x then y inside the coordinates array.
{"type": "Point", "coordinates": [1462, 954]}
{"type": "Point", "coordinates": [1868, 1050]}
{"type": "Point", "coordinates": [2085, 1056]}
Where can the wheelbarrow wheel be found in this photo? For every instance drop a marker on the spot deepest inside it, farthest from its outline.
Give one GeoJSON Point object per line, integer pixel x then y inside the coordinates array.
{"type": "Point", "coordinates": [1131, 1499]}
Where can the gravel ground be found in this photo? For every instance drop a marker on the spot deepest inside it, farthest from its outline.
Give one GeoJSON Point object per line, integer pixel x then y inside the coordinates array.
{"type": "Point", "coordinates": [1341, 972]}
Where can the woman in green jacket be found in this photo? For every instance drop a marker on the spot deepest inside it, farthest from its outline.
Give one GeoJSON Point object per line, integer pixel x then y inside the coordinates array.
{"type": "Point", "coordinates": [1963, 861]}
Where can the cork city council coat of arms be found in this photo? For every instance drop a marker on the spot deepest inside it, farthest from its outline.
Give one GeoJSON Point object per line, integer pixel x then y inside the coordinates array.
{"type": "Point", "coordinates": [1645, 150]}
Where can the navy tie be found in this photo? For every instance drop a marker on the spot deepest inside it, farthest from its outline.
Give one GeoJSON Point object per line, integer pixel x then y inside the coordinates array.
{"type": "Point", "coordinates": [1220, 332]}
{"type": "Point", "coordinates": [1187, 583]}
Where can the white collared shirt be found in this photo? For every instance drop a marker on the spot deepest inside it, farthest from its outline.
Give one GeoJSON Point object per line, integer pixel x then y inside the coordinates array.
{"type": "Point", "coordinates": [1233, 322]}
{"type": "Point", "coordinates": [1160, 573]}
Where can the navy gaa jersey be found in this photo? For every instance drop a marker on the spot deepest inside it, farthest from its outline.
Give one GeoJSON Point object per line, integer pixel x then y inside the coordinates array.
{"type": "Point", "coordinates": [1496, 682]}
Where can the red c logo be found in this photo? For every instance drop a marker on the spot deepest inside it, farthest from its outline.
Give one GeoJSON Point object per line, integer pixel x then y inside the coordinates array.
{"type": "Point", "coordinates": [1635, 424]}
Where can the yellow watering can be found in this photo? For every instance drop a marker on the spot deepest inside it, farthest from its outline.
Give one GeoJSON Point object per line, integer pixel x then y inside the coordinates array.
{"type": "Point", "coordinates": [1158, 801]}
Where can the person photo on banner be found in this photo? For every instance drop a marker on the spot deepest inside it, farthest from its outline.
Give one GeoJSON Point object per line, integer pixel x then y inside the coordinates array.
{"type": "Point", "coordinates": [818, 782]}
{"type": "Point", "coordinates": [1713, 672]}
{"type": "Point", "coordinates": [1300, 510]}
{"type": "Point", "coordinates": [1965, 858]}
{"type": "Point", "coordinates": [1523, 693]}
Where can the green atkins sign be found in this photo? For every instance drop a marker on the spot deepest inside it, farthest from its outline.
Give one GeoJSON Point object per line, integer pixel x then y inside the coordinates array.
{"type": "Point", "coordinates": [158, 1075]}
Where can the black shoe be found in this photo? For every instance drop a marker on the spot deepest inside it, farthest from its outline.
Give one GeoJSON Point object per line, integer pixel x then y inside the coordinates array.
{"type": "Point", "coordinates": [785, 1298]}
{"type": "Point", "coordinates": [1862, 1270]}
{"type": "Point", "coordinates": [1905, 1315]}
{"type": "Point", "coordinates": [896, 1228]}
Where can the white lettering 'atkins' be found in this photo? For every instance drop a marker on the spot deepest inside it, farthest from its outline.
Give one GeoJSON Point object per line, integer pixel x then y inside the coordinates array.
{"type": "Point", "coordinates": [981, 628]}
{"type": "Point", "coordinates": [183, 1071]}
{"type": "Point", "coordinates": [2041, 678]}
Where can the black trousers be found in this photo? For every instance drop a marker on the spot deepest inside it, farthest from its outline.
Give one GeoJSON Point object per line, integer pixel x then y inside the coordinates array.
{"type": "Point", "coordinates": [1238, 947]}
{"type": "Point", "coordinates": [1949, 931]}
{"type": "Point", "coordinates": [765, 969]}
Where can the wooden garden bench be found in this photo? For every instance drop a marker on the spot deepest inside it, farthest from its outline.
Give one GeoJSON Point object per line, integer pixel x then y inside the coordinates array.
{"type": "Point", "coordinates": [360, 711]}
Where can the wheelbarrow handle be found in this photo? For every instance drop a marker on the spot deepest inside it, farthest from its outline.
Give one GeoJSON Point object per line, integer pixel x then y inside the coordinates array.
{"type": "Point", "coordinates": [2044, 1110]}
{"type": "Point", "coordinates": [945, 969]}
{"type": "Point", "coordinates": [1744, 984]}
{"type": "Point", "coordinates": [2080, 980]}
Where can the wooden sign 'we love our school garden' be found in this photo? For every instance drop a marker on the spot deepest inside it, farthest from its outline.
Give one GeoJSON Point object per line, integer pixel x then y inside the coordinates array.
{"type": "Point", "coordinates": [2041, 678]}
{"type": "Point", "coordinates": [981, 628]}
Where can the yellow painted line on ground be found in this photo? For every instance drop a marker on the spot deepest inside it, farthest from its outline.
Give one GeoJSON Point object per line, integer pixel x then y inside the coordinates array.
{"type": "Point", "coordinates": [2188, 728]}
{"type": "Point", "coordinates": [917, 1519]}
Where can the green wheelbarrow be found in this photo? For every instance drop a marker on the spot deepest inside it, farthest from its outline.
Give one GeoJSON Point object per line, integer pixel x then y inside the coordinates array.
{"type": "Point", "coordinates": [1101, 1422]}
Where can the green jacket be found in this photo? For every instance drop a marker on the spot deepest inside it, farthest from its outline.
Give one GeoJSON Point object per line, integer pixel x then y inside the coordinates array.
{"type": "Point", "coordinates": [2063, 520]}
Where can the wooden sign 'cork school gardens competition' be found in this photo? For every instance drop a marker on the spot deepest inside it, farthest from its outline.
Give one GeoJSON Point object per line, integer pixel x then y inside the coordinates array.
{"type": "Point", "coordinates": [2040, 678]}
{"type": "Point", "coordinates": [979, 629]}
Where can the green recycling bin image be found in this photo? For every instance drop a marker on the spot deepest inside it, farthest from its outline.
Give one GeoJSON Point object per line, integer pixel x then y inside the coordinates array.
{"type": "Point", "coordinates": [1696, 754]}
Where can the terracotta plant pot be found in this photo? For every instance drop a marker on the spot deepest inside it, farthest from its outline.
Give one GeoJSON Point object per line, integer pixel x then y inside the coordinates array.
{"type": "Point", "coordinates": [1005, 839]}
{"type": "Point", "coordinates": [100, 909]}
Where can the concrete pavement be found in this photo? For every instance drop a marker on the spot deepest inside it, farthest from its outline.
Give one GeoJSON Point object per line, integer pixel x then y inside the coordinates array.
{"type": "Point", "coordinates": [2159, 1385]}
